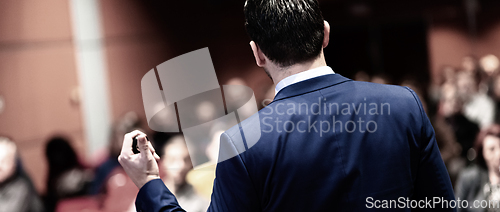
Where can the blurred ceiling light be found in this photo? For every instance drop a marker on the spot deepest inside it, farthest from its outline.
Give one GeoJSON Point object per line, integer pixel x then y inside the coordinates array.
{"type": "Point", "coordinates": [489, 64]}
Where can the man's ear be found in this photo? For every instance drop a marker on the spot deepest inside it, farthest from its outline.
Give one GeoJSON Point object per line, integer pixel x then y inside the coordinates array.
{"type": "Point", "coordinates": [326, 32]}
{"type": "Point", "coordinates": [260, 58]}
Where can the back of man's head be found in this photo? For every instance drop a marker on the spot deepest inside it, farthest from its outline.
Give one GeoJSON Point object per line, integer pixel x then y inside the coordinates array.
{"type": "Point", "coordinates": [287, 31]}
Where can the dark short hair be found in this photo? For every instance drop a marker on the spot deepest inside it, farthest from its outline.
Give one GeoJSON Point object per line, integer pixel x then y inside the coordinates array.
{"type": "Point", "coordinates": [287, 31]}
{"type": "Point", "coordinates": [493, 130]}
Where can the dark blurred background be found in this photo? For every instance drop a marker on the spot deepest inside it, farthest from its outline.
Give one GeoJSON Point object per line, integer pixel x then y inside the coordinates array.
{"type": "Point", "coordinates": [41, 95]}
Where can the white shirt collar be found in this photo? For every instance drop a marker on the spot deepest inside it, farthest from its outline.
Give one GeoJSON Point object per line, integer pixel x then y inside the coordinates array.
{"type": "Point", "coordinates": [302, 76]}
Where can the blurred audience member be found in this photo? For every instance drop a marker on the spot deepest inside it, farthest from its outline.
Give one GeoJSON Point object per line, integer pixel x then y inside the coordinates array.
{"type": "Point", "coordinates": [478, 107]}
{"type": "Point", "coordinates": [264, 93]}
{"type": "Point", "coordinates": [120, 193]}
{"type": "Point", "coordinates": [495, 94]}
{"type": "Point", "coordinates": [450, 108]}
{"type": "Point", "coordinates": [127, 123]}
{"type": "Point", "coordinates": [447, 77]}
{"type": "Point", "coordinates": [489, 64]}
{"type": "Point", "coordinates": [449, 147]}
{"type": "Point", "coordinates": [236, 81]}
{"type": "Point", "coordinates": [466, 85]}
{"type": "Point", "coordinates": [175, 164]}
{"type": "Point", "coordinates": [159, 139]}
{"type": "Point", "coordinates": [362, 76]}
{"type": "Point", "coordinates": [67, 177]}
{"type": "Point", "coordinates": [120, 197]}
{"type": "Point", "coordinates": [111, 188]}
{"type": "Point", "coordinates": [482, 181]}
{"type": "Point", "coordinates": [381, 79]}
{"type": "Point", "coordinates": [470, 64]}
{"type": "Point", "coordinates": [203, 176]}
{"type": "Point", "coordinates": [16, 189]}
{"type": "Point", "coordinates": [268, 96]}
{"type": "Point", "coordinates": [472, 88]}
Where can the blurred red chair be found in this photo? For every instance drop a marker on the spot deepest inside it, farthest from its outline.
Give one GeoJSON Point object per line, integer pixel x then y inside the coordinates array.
{"type": "Point", "coordinates": [121, 192]}
{"type": "Point", "coordinates": [78, 204]}
{"type": "Point", "coordinates": [120, 197]}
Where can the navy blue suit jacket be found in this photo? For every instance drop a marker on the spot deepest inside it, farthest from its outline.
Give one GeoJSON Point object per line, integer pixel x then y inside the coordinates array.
{"type": "Point", "coordinates": [328, 144]}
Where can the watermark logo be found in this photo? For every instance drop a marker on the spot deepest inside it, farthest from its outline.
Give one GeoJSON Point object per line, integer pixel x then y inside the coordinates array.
{"type": "Point", "coordinates": [323, 116]}
{"type": "Point", "coordinates": [183, 95]}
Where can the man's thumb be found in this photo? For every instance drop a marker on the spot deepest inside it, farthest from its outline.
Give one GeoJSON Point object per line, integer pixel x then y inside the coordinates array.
{"type": "Point", "coordinates": [143, 145]}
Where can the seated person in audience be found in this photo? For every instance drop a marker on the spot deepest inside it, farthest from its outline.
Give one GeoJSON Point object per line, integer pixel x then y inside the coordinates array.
{"type": "Point", "coordinates": [67, 176]}
{"type": "Point", "coordinates": [16, 189]}
{"type": "Point", "coordinates": [202, 176]}
{"type": "Point", "coordinates": [175, 164]}
{"type": "Point", "coordinates": [451, 109]}
{"type": "Point", "coordinates": [482, 181]}
{"type": "Point", "coordinates": [126, 123]}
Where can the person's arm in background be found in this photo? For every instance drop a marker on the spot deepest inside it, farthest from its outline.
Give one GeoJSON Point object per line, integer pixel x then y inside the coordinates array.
{"type": "Point", "coordinates": [233, 189]}
{"type": "Point", "coordinates": [432, 180]}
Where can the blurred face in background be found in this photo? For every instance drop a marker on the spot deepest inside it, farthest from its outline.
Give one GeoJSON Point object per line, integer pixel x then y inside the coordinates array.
{"type": "Point", "coordinates": [449, 74]}
{"type": "Point", "coordinates": [489, 64]}
{"type": "Point", "coordinates": [7, 160]}
{"type": "Point", "coordinates": [466, 85]}
{"type": "Point", "coordinates": [469, 64]}
{"type": "Point", "coordinates": [491, 152]}
{"type": "Point", "coordinates": [212, 150]}
{"type": "Point", "coordinates": [176, 162]}
{"type": "Point", "coordinates": [450, 104]}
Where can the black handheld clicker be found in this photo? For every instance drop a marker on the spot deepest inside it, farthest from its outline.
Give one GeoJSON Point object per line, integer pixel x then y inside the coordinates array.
{"type": "Point", "coordinates": [135, 149]}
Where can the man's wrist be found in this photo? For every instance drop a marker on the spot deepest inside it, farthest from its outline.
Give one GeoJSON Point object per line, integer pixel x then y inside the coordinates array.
{"type": "Point", "coordinates": [148, 179]}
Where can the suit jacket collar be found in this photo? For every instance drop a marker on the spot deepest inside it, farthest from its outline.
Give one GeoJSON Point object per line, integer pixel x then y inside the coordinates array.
{"type": "Point", "coordinates": [310, 85]}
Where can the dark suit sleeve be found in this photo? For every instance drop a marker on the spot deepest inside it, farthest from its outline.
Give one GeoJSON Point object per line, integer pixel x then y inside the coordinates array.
{"type": "Point", "coordinates": [154, 196]}
{"type": "Point", "coordinates": [432, 179]}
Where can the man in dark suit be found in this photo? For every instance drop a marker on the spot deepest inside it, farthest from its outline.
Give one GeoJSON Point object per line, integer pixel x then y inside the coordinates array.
{"type": "Point", "coordinates": [327, 143]}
